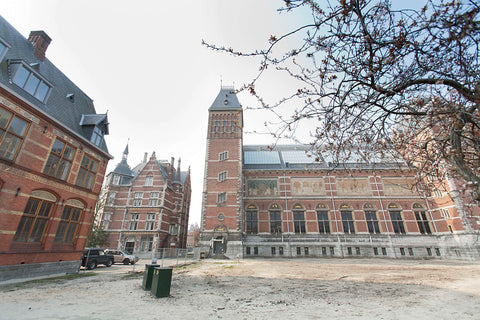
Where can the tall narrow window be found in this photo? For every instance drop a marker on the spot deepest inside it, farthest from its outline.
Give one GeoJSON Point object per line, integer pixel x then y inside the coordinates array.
{"type": "Point", "coordinates": [371, 218]}
{"type": "Point", "coordinates": [69, 224]}
{"type": "Point", "coordinates": [322, 217]}
{"type": "Point", "coordinates": [97, 135]}
{"type": "Point", "coordinates": [133, 225]}
{"type": "Point", "coordinates": [222, 197]}
{"type": "Point", "coordinates": [3, 49]}
{"type": "Point", "coordinates": [153, 201]}
{"type": "Point", "coordinates": [299, 218]}
{"type": "Point", "coordinates": [222, 176]}
{"type": "Point", "coordinates": [347, 218]}
{"type": "Point", "coordinates": [217, 126]}
{"type": "Point", "coordinates": [422, 221]}
{"type": "Point", "coordinates": [396, 218]}
{"type": "Point", "coordinates": [275, 219]}
{"type": "Point", "coordinates": [251, 219]}
{"type": "Point", "coordinates": [60, 160]}
{"type": "Point", "coordinates": [12, 132]}
{"type": "Point", "coordinates": [149, 224]}
{"type": "Point", "coordinates": [149, 181]}
{"type": "Point", "coordinates": [223, 156]}
{"type": "Point", "coordinates": [34, 220]}
{"type": "Point", "coordinates": [87, 172]}
{"type": "Point", "coordinates": [137, 200]}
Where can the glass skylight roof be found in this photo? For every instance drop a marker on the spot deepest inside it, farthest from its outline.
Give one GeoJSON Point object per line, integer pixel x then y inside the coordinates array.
{"type": "Point", "coordinates": [297, 156]}
{"type": "Point", "coordinates": [261, 157]}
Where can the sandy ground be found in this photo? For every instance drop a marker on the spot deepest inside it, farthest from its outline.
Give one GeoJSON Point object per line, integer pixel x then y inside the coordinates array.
{"type": "Point", "coordinates": [260, 289]}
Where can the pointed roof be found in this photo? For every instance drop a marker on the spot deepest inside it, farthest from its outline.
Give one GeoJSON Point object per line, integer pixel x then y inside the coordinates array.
{"type": "Point", "coordinates": [123, 168]}
{"type": "Point", "coordinates": [226, 100]}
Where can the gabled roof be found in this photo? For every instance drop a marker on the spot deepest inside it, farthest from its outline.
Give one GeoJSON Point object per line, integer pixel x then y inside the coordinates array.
{"type": "Point", "coordinates": [226, 100]}
{"type": "Point", "coordinates": [99, 120]}
{"type": "Point", "coordinates": [66, 103]}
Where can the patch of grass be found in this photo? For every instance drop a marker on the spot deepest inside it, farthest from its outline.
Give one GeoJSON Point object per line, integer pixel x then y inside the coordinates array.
{"type": "Point", "coordinates": [59, 279]}
{"type": "Point", "coordinates": [228, 267]}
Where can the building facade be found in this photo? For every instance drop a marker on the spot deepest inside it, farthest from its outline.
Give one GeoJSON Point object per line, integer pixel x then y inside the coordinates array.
{"type": "Point", "coordinates": [146, 208]}
{"type": "Point", "coordinates": [53, 159]}
{"type": "Point", "coordinates": [263, 201]}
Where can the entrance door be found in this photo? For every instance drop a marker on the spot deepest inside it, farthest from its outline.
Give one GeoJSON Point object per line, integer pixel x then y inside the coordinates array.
{"type": "Point", "coordinates": [129, 247]}
{"type": "Point", "coordinates": [218, 246]}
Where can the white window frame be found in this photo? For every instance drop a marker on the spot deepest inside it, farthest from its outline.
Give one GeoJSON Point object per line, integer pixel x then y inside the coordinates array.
{"type": "Point", "coordinates": [222, 176]}
{"type": "Point", "coordinates": [222, 197]}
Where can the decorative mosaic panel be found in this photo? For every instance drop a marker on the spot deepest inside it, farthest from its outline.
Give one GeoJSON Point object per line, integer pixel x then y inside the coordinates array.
{"type": "Point", "coordinates": [398, 186]}
{"type": "Point", "coordinates": [353, 187]}
{"type": "Point", "coordinates": [305, 187]}
{"type": "Point", "coordinates": [260, 188]}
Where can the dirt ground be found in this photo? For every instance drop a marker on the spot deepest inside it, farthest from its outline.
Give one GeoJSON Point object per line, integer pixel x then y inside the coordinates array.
{"type": "Point", "coordinates": [260, 289]}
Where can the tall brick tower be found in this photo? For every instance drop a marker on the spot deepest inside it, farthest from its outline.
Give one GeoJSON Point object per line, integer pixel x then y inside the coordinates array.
{"type": "Point", "coordinates": [222, 188]}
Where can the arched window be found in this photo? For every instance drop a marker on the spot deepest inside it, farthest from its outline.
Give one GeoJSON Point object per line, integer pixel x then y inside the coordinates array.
{"type": "Point", "coordinates": [421, 217]}
{"type": "Point", "coordinates": [347, 218]}
{"type": "Point", "coordinates": [371, 218]}
{"type": "Point", "coordinates": [251, 219]}
{"type": "Point", "coordinates": [322, 217]}
{"type": "Point", "coordinates": [299, 218]}
{"type": "Point", "coordinates": [275, 218]}
{"type": "Point", "coordinates": [35, 217]}
{"type": "Point", "coordinates": [70, 222]}
{"type": "Point", "coordinates": [396, 218]}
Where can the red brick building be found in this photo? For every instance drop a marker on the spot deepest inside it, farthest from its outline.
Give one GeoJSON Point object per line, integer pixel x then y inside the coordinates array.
{"type": "Point", "coordinates": [52, 160]}
{"type": "Point", "coordinates": [260, 201]}
{"type": "Point", "coordinates": [146, 208]}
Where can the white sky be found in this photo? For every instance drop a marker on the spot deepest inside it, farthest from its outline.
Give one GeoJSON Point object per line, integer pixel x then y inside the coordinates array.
{"type": "Point", "coordinates": [143, 62]}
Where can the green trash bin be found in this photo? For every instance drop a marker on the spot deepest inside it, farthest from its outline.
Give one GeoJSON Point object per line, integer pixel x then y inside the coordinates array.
{"type": "Point", "coordinates": [161, 282]}
{"type": "Point", "coordinates": [148, 276]}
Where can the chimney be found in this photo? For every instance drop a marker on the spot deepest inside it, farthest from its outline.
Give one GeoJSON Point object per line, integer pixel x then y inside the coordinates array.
{"type": "Point", "coordinates": [40, 41]}
{"type": "Point", "coordinates": [145, 157]}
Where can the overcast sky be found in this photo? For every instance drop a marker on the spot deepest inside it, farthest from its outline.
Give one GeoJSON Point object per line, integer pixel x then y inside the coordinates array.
{"type": "Point", "coordinates": [143, 62]}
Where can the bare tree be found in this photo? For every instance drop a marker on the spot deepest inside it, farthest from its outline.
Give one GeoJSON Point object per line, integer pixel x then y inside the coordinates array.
{"type": "Point", "coordinates": [373, 76]}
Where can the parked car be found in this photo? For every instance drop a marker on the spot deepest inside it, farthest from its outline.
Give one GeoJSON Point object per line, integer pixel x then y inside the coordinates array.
{"type": "Point", "coordinates": [122, 257]}
{"type": "Point", "coordinates": [92, 257]}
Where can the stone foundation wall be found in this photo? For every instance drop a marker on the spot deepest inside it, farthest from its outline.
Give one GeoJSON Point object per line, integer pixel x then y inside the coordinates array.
{"type": "Point", "coordinates": [35, 270]}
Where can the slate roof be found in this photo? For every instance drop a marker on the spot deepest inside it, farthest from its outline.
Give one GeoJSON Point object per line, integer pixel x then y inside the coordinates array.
{"type": "Point", "coordinates": [226, 100]}
{"type": "Point", "coordinates": [280, 157]}
{"type": "Point", "coordinates": [66, 102]}
{"type": "Point", "coordinates": [123, 169]}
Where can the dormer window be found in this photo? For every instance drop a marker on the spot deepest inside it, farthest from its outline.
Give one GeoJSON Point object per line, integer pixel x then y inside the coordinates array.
{"type": "Point", "coordinates": [97, 136]}
{"type": "Point", "coordinates": [3, 49]}
{"type": "Point", "coordinates": [30, 81]}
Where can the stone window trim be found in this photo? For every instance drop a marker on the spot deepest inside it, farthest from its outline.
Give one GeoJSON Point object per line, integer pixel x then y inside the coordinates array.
{"type": "Point", "coordinates": [13, 129]}
{"type": "Point", "coordinates": [251, 219]}
{"type": "Point", "coordinates": [299, 218]}
{"type": "Point", "coordinates": [222, 156]}
{"type": "Point", "coordinates": [396, 217]}
{"type": "Point", "coordinates": [35, 218]}
{"type": "Point", "coordinates": [87, 172]}
{"type": "Point", "coordinates": [221, 197]}
{"type": "Point", "coordinates": [60, 159]}
{"type": "Point", "coordinates": [348, 223]}
{"type": "Point", "coordinates": [149, 180]}
{"type": "Point", "coordinates": [69, 225]}
{"type": "Point", "coordinates": [222, 176]}
{"type": "Point", "coordinates": [275, 215]}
